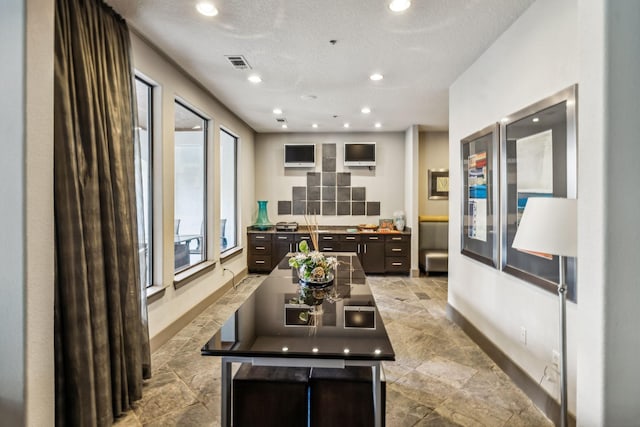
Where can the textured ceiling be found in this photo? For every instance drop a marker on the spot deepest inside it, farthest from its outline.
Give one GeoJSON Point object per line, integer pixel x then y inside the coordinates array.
{"type": "Point", "coordinates": [420, 52]}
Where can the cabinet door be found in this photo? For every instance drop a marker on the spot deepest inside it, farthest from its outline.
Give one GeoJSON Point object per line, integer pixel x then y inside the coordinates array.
{"type": "Point", "coordinates": [282, 245]}
{"type": "Point", "coordinates": [373, 254]}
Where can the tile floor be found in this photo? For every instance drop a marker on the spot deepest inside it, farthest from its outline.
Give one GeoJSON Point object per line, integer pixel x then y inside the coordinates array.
{"type": "Point", "coordinates": [440, 377]}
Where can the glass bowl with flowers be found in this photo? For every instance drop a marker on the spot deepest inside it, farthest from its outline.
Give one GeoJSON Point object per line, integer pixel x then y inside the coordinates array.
{"type": "Point", "coordinates": [314, 268]}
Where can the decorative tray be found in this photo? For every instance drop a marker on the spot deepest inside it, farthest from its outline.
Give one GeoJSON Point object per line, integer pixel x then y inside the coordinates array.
{"type": "Point", "coordinates": [371, 227]}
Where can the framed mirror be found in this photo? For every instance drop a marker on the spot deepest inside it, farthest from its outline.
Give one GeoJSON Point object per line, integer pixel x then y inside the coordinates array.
{"type": "Point", "coordinates": [539, 159]}
{"type": "Point", "coordinates": [479, 157]}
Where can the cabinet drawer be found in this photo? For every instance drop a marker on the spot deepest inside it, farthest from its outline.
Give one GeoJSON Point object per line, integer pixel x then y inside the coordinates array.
{"type": "Point", "coordinates": [259, 237]}
{"type": "Point", "coordinates": [398, 238]}
{"type": "Point", "coordinates": [396, 264]}
{"type": "Point", "coordinates": [283, 238]}
{"type": "Point", "coordinates": [372, 238]}
{"type": "Point", "coordinates": [396, 249]}
{"type": "Point", "coordinates": [328, 237]}
{"type": "Point", "coordinates": [350, 238]}
{"type": "Point", "coordinates": [329, 246]}
{"type": "Point", "coordinates": [259, 263]}
{"type": "Point", "coordinates": [260, 248]}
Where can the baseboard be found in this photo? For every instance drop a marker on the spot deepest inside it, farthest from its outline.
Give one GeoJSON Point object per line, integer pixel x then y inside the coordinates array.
{"type": "Point", "coordinates": [528, 385]}
{"type": "Point", "coordinates": [165, 335]}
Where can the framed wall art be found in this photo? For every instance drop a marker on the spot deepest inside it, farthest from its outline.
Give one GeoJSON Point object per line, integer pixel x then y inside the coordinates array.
{"type": "Point", "coordinates": [479, 157]}
{"type": "Point", "coordinates": [539, 159]}
{"type": "Point", "coordinates": [438, 184]}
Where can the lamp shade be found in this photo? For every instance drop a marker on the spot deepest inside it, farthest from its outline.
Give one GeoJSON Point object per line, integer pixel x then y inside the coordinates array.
{"type": "Point", "coordinates": [548, 225]}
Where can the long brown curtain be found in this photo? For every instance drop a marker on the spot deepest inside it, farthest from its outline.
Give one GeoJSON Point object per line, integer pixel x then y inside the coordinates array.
{"type": "Point", "coordinates": [101, 334]}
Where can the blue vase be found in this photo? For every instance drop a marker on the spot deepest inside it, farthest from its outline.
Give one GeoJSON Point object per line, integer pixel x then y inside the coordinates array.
{"type": "Point", "coordinates": [262, 220]}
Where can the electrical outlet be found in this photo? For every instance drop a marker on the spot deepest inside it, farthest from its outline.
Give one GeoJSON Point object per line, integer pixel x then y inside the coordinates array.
{"type": "Point", "coordinates": [523, 335]}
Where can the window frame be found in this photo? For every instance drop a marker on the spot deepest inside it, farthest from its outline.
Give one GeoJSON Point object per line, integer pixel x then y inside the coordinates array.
{"type": "Point", "coordinates": [191, 271]}
{"type": "Point", "coordinates": [150, 199]}
{"type": "Point", "coordinates": [230, 250]}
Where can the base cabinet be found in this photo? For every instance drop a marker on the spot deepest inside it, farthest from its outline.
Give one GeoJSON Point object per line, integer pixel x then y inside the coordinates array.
{"type": "Point", "coordinates": [372, 255]}
{"type": "Point", "coordinates": [378, 252]}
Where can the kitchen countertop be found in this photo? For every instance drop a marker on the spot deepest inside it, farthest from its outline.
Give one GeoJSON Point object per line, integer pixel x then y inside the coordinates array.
{"type": "Point", "coordinates": [332, 229]}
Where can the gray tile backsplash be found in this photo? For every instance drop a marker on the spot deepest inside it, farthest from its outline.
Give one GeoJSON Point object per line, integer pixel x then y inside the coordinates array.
{"type": "Point", "coordinates": [344, 194]}
{"type": "Point", "coordinates": [358, 194]}
{"type": "Point", "coordinates": [344, 208]}
{"type": "Point", "coordinates": [313, 179]}
{"type": "Point", "coordinates": [357, 208]}
{"type": "Point", "coordinates": [328, 178]}
{"type": "Point", "coordinates": [328, 151]}
{"type": "Point", "coordinates": [373, 208]}
{"type": "Point", "coordinates": [284, 207]}
{"type": "Point", "coordinates": [344, 179]}
{"type": "Point", "coordinates": [299, 193]}
{"type": "Point", "coordinates": [328, 194]}
{"type": "Point", "coordinates": [299, 207]}
{"type": "Point", "coordinates": [313, 193]}
{"type": "Point", "coordinates": [328, 208]}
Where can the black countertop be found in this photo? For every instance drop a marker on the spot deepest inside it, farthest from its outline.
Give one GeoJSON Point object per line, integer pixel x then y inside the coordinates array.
{"type": "Point", "coordinates": [285, 319]}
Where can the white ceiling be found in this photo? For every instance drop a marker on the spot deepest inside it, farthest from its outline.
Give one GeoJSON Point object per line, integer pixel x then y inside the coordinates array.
{"type": "Point", "coordinates": [420, 52]}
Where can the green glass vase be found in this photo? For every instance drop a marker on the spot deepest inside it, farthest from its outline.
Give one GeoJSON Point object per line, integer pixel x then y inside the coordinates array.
{"type": "Point", "coordinates": [262, 220]}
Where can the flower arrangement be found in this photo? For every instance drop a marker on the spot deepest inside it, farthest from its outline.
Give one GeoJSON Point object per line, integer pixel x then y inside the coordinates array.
{"type": "Point", "coordinates": [312, 265]}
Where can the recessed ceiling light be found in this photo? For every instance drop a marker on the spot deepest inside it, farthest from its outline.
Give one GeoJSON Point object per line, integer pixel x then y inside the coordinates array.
{"type": "Point", "coordinates": [346, 351]}
{"type": "Point", "coordinates": [206, 9]}
{"type": "Point", "coordinates": [378, 125]}
{"type": "Point", "coordinates": [365, 110]}
{"type": "Point", "coordinates": [314, 349]}
{"type": "Point", "coordinates": [315, 125]}
{"type": "Point", "coordinates": [377, 351]}
{"type": "Point", "coordinates": [277, 111]}
{"type": "Point", "coordinates": [285, 348]}
{"type": "Point", "coordinates": [284, 126]}
{"type": "Point", "coordinates": [346, 125]}
{"type": "Point", "coordinates": [376, 77]}
{"type": "Point", "coordinates": [254, 78]}
{"type": "Point", "coordinates": [399, 5]}
{"type": "Point", "coordinates": [536, 120]}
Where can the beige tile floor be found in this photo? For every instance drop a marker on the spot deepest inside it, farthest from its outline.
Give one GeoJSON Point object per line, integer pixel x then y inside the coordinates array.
{"type": "Point", "coordinates": [440, 377]}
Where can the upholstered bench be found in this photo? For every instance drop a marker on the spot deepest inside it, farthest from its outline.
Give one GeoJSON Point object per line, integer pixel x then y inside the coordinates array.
{"type": "Point", "coordinates": [433, 242]}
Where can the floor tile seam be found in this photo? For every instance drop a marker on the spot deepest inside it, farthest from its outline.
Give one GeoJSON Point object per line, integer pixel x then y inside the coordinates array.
{"type": "Point", "coordinates": [484, 401]}
{"type": "Point", "coordinates": [177, 411]}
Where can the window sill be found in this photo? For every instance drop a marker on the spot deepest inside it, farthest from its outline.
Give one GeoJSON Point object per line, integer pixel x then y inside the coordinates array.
{"type": "Point", "coordinates": [231, 253]}
{"type": "Point", "coordinates": [154, 293]}
{"type": "Point", "coordinates": [184, 277]}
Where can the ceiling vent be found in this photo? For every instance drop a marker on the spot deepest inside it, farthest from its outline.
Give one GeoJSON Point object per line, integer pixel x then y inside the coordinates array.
{"type": "Point", "coordinates": [281, 120]}
{"type": "Point", "coordinates": [238, 62]}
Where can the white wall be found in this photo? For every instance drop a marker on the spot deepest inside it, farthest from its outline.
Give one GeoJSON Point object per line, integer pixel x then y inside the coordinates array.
{"type": "Point", "coordinates": [171, 83]}
{"type": "Point", "coordinates": [384, 184]}
{"type": "Point", "coordinates": [536, 57]}
{"type": "Point", "coordinates": [411, 143]}
{"type": "Point", "coordinates": [434, 154]}
{"type": "Point", "coordinates": [609, 244]}
{"type": "Point", "coordinates": [12, 170]}
{"type": "Point", "coordinates": [26, 173]}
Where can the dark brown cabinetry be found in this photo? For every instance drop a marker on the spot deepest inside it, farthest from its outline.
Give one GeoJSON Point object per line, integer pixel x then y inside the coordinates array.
{"type": "Point", "coordinates": [259, 259]}
{"type": "Point", "coordinates": [378, 252]}
{"type": "Point", "coordinates": [372, 255]}
{"type": "Point", "coordinates": [397, 250]}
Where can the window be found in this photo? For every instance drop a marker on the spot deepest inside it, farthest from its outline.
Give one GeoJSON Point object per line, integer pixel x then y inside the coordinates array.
{"type": "Point", "coordinates": [190, 212]}
{"type": "Point", "coordinates": [228, 191]}
{"type": "Point", "coordinates": [144, 181]}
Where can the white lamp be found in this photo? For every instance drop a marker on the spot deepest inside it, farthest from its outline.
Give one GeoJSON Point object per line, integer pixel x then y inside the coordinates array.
{"type": "Point", "coordinates": [548, 226]}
